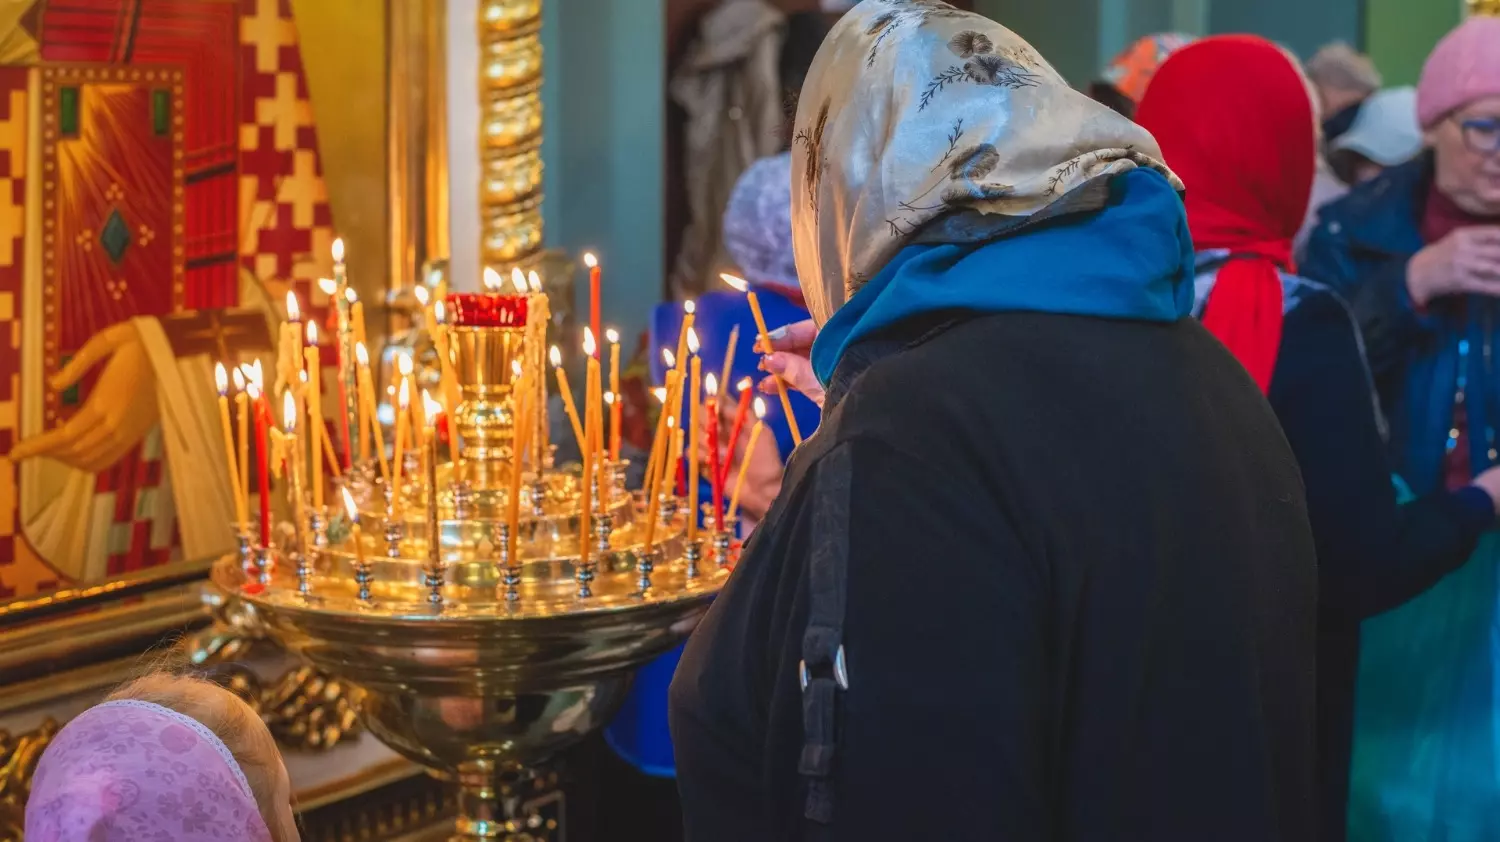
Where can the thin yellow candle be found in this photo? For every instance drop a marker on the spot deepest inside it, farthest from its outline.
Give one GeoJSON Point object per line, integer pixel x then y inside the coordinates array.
{"type": "Point", "coordinates": [669, 477]}
{"type": "Point", "coordinates": [729, 349]}
{"type": "Point", "coordinates": [593, 413]}
{"type": "Point", "coordinates": [567, 399]}
{"type": "Point", "coordinates": [242, 407]}
{"type": "Point", "coordinates": [368, 419]}
{"type": "Point", "coordinates": [689, 308]}
{"type": "Point", "coordinates": [739, 478]}
{"type": "Point", "coordinates": [314, 412]}
{"type": "Point", "coordinates": [659, 444]}
{"type": "Point", "coordinates": [661, 422]}
{"type": "Point", "coordinates": [403, 403]}
{"type": "Point", "coordinates": [354, 533]}
{"type": "Point", "coordinates": [616, 406]}
{"type": "Point", "coordinates": [357, 317]}
{"type": "Point", "coordinates": [221, 379]}
{"type": "Point", "coordinates": [765, 339]}
{"type": "Point", "coordinates": [523, 409]}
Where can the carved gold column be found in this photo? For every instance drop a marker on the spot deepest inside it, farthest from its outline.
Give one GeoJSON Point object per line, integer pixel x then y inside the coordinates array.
{"type": "Point", "coordinates": [510, 132]}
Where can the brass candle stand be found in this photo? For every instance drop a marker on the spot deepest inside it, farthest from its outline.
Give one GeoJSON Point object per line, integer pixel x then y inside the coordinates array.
{"type": "Point", "coordinates": [477, 661]}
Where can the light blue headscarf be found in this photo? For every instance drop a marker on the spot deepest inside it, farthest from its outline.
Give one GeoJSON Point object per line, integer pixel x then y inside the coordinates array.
{"type": "Point", "coordinates": [1131, 260]}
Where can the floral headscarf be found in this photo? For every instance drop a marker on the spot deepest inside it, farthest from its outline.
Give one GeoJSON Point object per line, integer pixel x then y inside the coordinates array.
{"type": "Point", "coordinates": [758, 223]}
{"type": "Point", "coordinates": [129, 770]}
{"type": "Point", "coordinates": [914, 110]}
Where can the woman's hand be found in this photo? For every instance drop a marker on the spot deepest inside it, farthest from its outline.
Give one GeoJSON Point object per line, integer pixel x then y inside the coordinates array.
{"type": "Point", "coordinates": [787, 358]}
{"type": "Point", "coordinates": [1465, 261]}
{"type": "Point", "coordinates": [1489, 483]}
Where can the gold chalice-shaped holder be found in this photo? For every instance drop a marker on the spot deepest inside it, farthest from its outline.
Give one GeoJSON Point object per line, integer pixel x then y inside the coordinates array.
{"type": "Point", "coordinates": [477, 665]}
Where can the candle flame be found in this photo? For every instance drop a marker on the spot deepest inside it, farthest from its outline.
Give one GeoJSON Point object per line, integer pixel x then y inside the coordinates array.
{"type": "Point", "coordinates": [328, 285]}
{"type": "Point", "coordinates": [360, 354]}
{"type": "Point", "coordinates": [349, 506]}
{"type": "Point", "coordinates": [535, 280]}
{"type": "Point", "coordinates": [350, 295]}
{"type": "Point", "coordinates": [744, 384]}
{"type": "Point", "coordinates": [711, 385]}
{"type": "Point", "coordinates": [422, 294]}
{"type": "Point", "coordinates": [671, 422]}
{"type": "Point", "coordinates": [302, 375]}
{"type": "Point", "coordinates": [737, 283]}
{"type": "Point", "coordinates": [439, 312]}
{"type": "Point", "coordinates": [491, 279]}
{"type": "Point", "coordinates": [555, 356]}
{"type": "Point", "coordinates": [293, 312]}
{"type": "Point", "coordinates": [288, 411]}
{"type": "Point", "coordinates": [221, 379]}
{"type": "Point", "coordinates": [760, 409]}
{"type": "Point", "coordinates": [430, 408]}
{"type": "Point", "coordinates": [609, 398]}
{"type": "Point", "coordinates": [403, 397]}
{"type": "Point", "coordinates": [661, 393]}
{"type": "Point", "coordinates": [239, 380]}
{"type": "Point", "coordinates": [692, 340]}
{"type": "Point", "coordinates": [312, 333]}
{"type": "Point", "coordinates": [515, 369]}
{"type": "Point", "coordinates": [338, 250]}
{"type": "Point", "coordinates": [258, 374]}
{"type": "Point", "coordinates": [403, 363]}
{"type": "Point", "coordinates": [518, 280]}
{"type": "Point", "coordinates": [669, 358]}
{"type": "Point", "coordinates": [590, 260]}
{"type": "Point", "coordinates": [612, 336]}
{"type": "Point", "coordinates": [690, 306]}
{"type": "Point", "coordinates": [253, 391]}
{"type": "Point", "coordinates": [588, 342]}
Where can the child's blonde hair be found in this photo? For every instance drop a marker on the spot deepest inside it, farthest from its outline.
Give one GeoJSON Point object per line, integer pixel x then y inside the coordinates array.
{"type": "Point", "coordinates": [234, 723]}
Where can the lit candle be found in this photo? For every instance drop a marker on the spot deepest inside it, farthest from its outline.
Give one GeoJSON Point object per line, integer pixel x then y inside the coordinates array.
{"type": "Point", "coordinates": [593, 263]}
{"type": "Point", "coordinates": [674, 478]}
{"type": "Point", "coordinates": [368, 418]}
{"type": "Point", "coordinates": [294, 474]}
{"type": "Point", "coordinates": [448, 381]}
{"type": "Point", "coordinates": [567, 399]}
{"type": "Point", "coordinates": [616, 406]}
{"type": "Point", "coordinates": [491, 280]}
{"type": "Point", "coordinates": [241, 406]}
{"type": "Point", "coordinates": [729, 349]}
{"type": "Point", "coordinates": [354, 533]}
{"type": "Point", "coordinates": [659, 444]}
{"type": "Point", "coordinates": [653, 464]}
{"type": "Point", "coordinates": [740, 413]}
{"type": "Point", "coordinates": [688, 309]}
{"type": "Point", "coordinates": [221, 379]}
{"type": "Point", "coordinates": [315, 413]}
{"type": "Point", "coordinates": [765, 339]}
{"type": "Point", "coordinates": [357, 317]}
{"type": "Point", "coordinates": [524, 398]}
{"type": "Point", "coordinates": [593, 410]}
{"type": "Point", "coordinates": [403, 403]}
{"type": "Point", "coordinates": [518, 280]}
{"type": "Point", "coordinates": [262, 446]}
{"type": "Point", "coordinates": [431, 409]}
{"type": "Point", "coordinates": [711, 436]}
{"type": "Point", "coordinates": [739, 480]}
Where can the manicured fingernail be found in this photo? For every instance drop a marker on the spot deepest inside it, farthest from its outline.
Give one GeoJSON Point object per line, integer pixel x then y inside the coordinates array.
{"type": "Point", "coordinates": [775, 363]}
{"type": "Point", "coordinates": [777, 333]}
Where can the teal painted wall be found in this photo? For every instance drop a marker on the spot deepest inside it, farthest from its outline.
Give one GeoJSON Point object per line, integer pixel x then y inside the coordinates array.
{"type": "Point", "coordinates": [604, 96]}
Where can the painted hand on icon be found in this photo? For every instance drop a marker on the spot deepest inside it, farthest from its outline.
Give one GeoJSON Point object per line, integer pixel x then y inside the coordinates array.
{"type": "Point", "coordinates": [120, 410]}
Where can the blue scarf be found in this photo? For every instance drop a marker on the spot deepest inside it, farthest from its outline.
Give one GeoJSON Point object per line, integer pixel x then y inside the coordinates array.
{"type": "Point", "coordinates": [1133, 259]}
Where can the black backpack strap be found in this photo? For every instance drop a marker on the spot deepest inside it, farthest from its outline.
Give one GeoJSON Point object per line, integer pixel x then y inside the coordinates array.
{"type": "Point", "coordinates": [822, 672]}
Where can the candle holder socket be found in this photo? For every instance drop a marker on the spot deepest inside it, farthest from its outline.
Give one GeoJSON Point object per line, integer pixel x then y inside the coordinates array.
{"type": "Point", "coordinates": [722, 543]}
{"type": "Point", "coordinates": [692, 555]}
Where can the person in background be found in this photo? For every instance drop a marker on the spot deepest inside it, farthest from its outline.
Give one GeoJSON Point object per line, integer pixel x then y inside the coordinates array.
{"type": "Point", "coordinates": [1343, 79]}
{"type": "Point", "coordinates": [1247, 154]}
{"type": "Point", "coordinates": [1417, 253]}
{"type": "Point", "coordinates": [1125, 79]}
{"type": "Point", "coordinates": [1049, 547]}
{"type": "Point", "coordinates": [1385, 134]}
{"type": "Point", "coordinates": [165, 757]}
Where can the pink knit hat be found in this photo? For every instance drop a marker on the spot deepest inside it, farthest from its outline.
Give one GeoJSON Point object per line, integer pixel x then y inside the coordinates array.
{"type": "Point", "coordinates": [1464, 66]}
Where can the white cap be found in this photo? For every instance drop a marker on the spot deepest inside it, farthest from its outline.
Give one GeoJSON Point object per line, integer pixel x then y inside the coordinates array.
{"type": "Point", "coordinates": [1386, 129]}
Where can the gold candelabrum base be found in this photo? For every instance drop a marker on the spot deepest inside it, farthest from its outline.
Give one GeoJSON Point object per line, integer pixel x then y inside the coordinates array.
{"type": "Point", "coordinates": [480, 650]}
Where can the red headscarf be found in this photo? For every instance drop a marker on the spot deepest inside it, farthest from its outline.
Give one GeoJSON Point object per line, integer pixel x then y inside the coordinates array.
{"type": "Point", "coordinates": [1235, 121]}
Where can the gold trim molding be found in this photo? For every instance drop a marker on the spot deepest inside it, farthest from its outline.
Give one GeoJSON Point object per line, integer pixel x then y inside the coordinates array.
{"type": "Point", "coordinates": [510, 132]}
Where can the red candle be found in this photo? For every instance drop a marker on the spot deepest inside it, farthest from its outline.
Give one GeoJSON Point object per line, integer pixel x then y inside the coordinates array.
{"type": "Point", "coordinates": [264, 448]}
{"type": "Point", "coordinates": [711, 433]}
{"type": "Point", "coordinates": [682, 479]}
{"type": "Point", "coordinates": [740, 413]}
{"type": "Point", "coordinates": [593, 263]}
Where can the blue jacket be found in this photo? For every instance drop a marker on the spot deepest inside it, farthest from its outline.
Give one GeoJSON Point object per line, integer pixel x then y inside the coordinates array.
{"type": "Point", "coordinates": [639, 731]}
{"type": "Point", "coordinates": [1361, 248]}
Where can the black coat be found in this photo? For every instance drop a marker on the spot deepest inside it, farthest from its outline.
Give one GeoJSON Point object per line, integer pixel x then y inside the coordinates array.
{"type": "Point", "coordinates": [1078, 603]}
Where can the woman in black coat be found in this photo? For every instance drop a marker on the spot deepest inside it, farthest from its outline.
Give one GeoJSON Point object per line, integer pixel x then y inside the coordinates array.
{"type": "Point", "coordinates": [1045, 571]}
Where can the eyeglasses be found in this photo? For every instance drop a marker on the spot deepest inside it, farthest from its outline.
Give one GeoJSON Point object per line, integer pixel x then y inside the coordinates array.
{"type": "Point", "coordinates": [1481, 135]}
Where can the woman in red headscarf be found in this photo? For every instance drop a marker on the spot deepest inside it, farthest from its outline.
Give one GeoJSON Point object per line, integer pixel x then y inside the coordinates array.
{"type": "Point", "coordinates": [1235, 119]}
